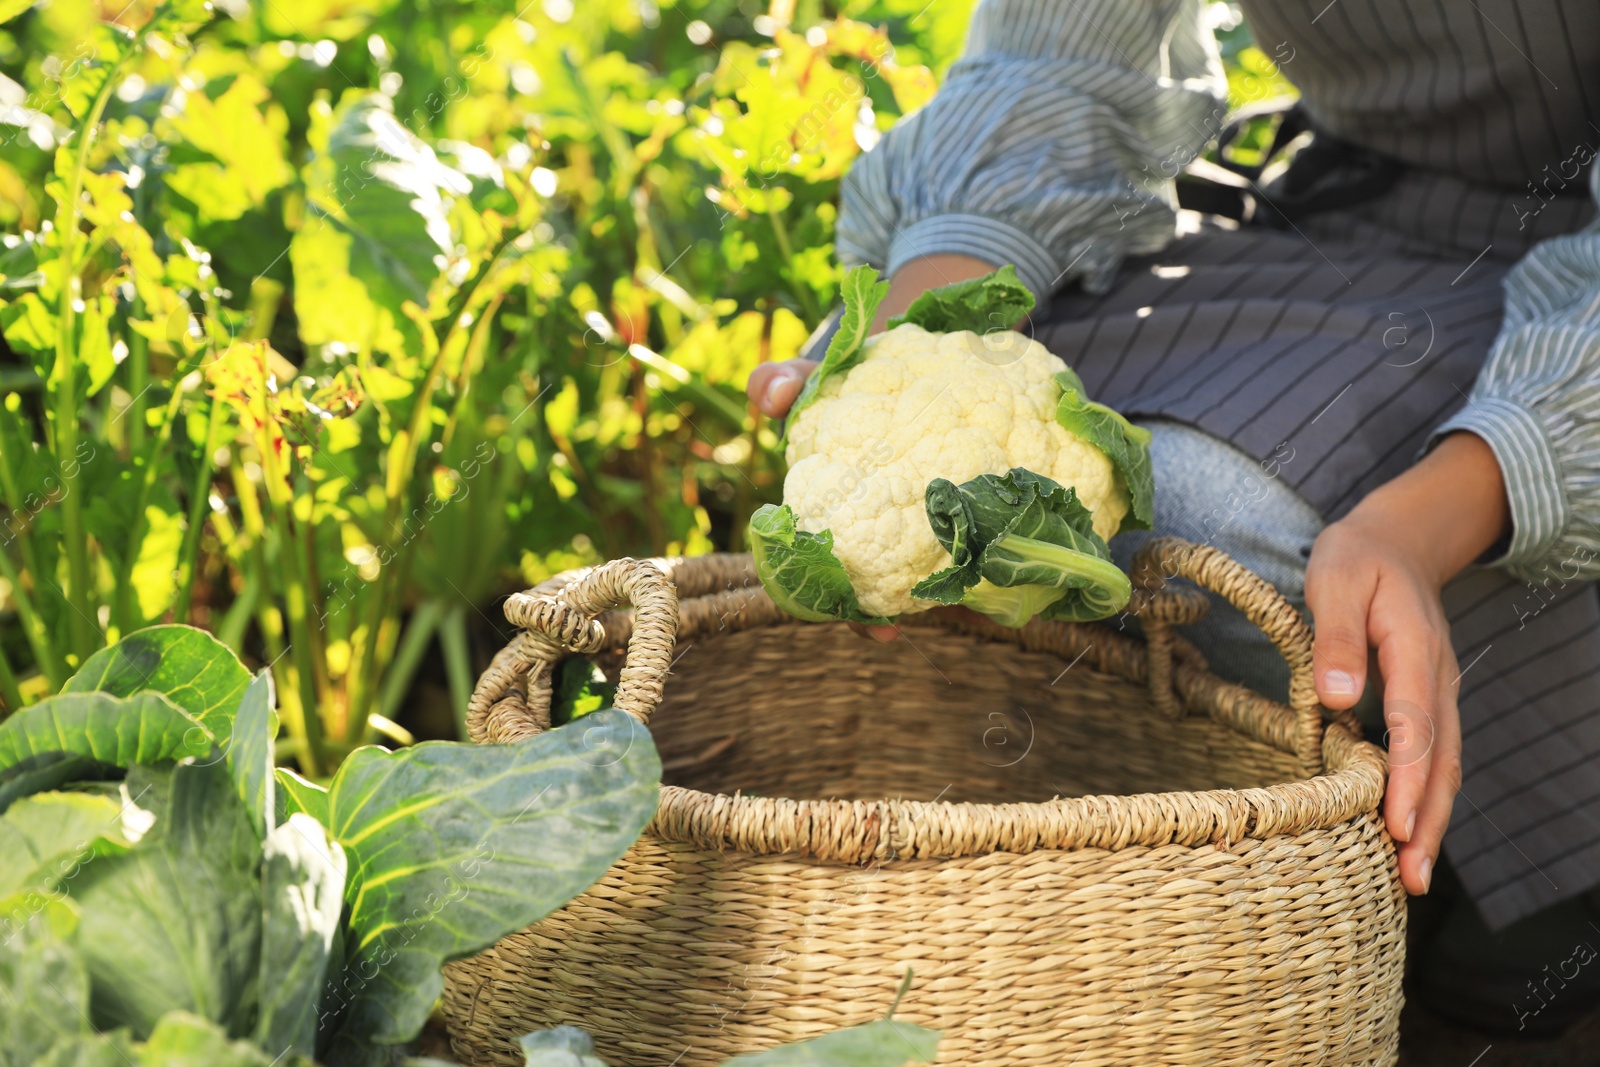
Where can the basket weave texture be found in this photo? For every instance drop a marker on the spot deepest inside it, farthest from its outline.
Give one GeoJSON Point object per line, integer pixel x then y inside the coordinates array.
{"type": "Point", "coordinates": [1090, 851]}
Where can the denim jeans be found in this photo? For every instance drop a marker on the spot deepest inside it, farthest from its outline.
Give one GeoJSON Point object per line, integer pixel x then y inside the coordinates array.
{"type": "Point", "coordinates": [1209, 492]}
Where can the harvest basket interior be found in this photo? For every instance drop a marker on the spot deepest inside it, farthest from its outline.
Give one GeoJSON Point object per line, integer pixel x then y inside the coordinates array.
{"type": "Point", "coordinates": [958, 709]}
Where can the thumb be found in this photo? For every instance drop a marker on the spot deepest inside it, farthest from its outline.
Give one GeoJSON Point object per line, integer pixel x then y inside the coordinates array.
{"type": "Point", "coordinates": [773, 387]}
{"type": "Point", "coordinates": [1339, 650]}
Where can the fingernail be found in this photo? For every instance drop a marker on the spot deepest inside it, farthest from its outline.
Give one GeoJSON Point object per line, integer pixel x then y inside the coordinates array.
{"type": "Point", "coordinates": [1411, 825]}
{"type": "Point", "coordinates": [1426, 871]}
{"type": "Point", "coordinates": [1340, 684]}
{"type": "Point", "coordinates": [770, 398]}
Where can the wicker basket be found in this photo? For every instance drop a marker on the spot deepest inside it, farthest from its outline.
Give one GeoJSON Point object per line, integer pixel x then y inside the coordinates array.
{"type": "Point", "coordinates": [974, 803]}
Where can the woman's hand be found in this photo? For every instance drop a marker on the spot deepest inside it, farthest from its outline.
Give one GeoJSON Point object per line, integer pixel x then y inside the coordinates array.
{"type": "Point", "coordinates": [1373, 582]}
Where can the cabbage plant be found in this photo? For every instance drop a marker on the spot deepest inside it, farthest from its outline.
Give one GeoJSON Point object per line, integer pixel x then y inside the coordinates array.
{"type": "Point", "coordinates": [170, 897]}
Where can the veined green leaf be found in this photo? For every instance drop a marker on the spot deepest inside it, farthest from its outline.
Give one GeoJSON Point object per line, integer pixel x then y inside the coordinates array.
{"type": "Point", "coordinates": [175, 922]}
{"type": "Point", "coordinates": [1127, 446]}
{"type": "Point", "coordinates": [885, 1043]}
{"type": "Point", "coordinates": [561, 1046]}
{"type": "Point", "coordinates": [295, 793]}
{"type": "Point", "coordinates": [50, 770]}
{"type": "Point", "coordinates": [182, 1039]}
{"type": "Point", "coordinates": [78, 93]}
{"type": "Point", "coordinates": [453, 846]}
{"type": "Point", "coordinates": [1020, 545]}
{"type": "Point", "coordinates": [230, 152]}
{"type": "Point", "coordinates": [302, 880]}
{"type": "Point", "coordinates": [30, 326]}
{"type": "Point", "coordinates": [995, 301]}
{"type": "Point", "coordinates": [800, 571]}
{"type": "Point", "coordinates": [44, 988]}
{"type": "Point", "coordinates": [193, 669]}
{"type": "Point", "coordinates": [377, 228]}
{"type": "Point", "coordinates": [250, 751]}
{"type": "Point", "coordinates": [143, 728]}
{"type": "Point", "coordinates": [45, 836]}
{"type": "Point", "coordinates": [861, 293]}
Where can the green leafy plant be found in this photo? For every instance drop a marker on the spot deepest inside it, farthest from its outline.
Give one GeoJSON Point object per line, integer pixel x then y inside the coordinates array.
{"type": "Point", "coordinates": [882, 1043]}
{"type": "Point", "coordinates": [188, 899]}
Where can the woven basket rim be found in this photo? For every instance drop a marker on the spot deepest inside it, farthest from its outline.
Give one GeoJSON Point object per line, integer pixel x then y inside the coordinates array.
{"type": "Point", "coordinates": [720, 592]}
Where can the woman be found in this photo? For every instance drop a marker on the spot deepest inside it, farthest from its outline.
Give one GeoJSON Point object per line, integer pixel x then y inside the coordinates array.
{"type": "Point", "coordinates": [1380, 391]}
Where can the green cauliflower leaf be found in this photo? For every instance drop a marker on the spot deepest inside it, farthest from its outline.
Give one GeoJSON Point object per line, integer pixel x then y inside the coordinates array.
{"type": "Point", "coordinates": [800, 571]}
{"type": "Point", "coordinates": [861, 292]}
{"type": "Point", "coordinates": [995, 301]}
{"type": "Point", "coordinates": [1126, 445]}
{"type": "Point", "coordinates": [1020, 545]}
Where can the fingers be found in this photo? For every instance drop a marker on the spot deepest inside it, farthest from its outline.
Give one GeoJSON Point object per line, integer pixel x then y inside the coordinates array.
{"type": "Point", "coordinates": [773, 387]}
{"type": "Point", "coordinates": [1419, 854]}
{"type": "Point", "coordinates": [1424, 739]}
{"type": "Point", "coordinates": [1338, 597]}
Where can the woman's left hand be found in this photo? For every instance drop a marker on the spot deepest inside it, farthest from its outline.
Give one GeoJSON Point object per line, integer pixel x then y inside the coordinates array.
{"type": "Point", "coordinates": [1374, 582]}
{"type": "Point", "coordinates": [1365, 590]}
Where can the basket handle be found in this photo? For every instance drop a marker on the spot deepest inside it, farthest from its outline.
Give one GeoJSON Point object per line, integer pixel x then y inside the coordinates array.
{"type": "Point", "coordinates": [555, 621]}
{"type": "Point", "coordinates": [1159, 608]}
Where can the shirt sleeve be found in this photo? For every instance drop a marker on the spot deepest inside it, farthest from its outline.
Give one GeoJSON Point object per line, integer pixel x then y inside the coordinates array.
{"type": "Point", "coordinates": [1537, 404]}
{"type": "Point", "coordinates": [1052, 144]}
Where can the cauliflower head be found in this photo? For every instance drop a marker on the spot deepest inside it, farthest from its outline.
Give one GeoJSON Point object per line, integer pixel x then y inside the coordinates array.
{"type": "Point", "coordinates": [938, 464]}
{"type": "Point", "coordinates": [922, 406]}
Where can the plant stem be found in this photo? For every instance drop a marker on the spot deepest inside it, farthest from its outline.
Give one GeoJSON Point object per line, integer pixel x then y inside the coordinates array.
{"type": "Point", "coordinates": [302, 646]}
{"type": "Point", "coordinates": [138, 380]}
{"type": "Point", "coordinates": [807, 299]}
{"type": "Point", "coordinates": [408, 657]}
{"type": "Point", "coordinates": [14, 501]}
{"type": "Point", "coordinates": [231, 630]}
{"type": "Point", "coordinates": [49, 662]}
{"type": "Point", "coordinates": [9, 693]}
{"type": "Point", "coordinates": [199, 500]}
{"type": "Point", "coordinates": [122, 594]}
{"type": "Point", "coordinates": [84, 636]}
{"type": "Point", "coordinates": [33, 627]}
{"type": "Point", "coordinates": [649, 466]}
{"type": "Point", "coordinates": [366, 662]}
{"type": "Point", "coordinates": [457, 664]}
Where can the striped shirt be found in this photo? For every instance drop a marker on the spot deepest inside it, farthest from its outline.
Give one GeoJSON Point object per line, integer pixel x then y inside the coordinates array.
{"type": "Point", "coordinates": [1054, 141]}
